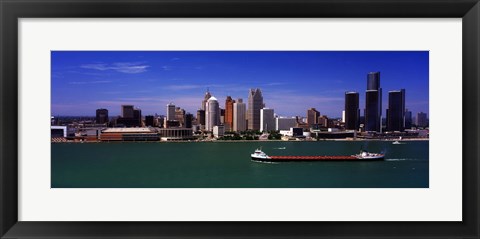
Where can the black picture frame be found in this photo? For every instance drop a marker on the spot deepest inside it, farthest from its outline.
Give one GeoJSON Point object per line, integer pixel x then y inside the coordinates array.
{"type": "Point", "coordinates": [12, 10]}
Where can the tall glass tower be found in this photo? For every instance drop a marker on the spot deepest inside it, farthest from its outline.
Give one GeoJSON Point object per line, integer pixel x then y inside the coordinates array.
{"type": "Point", "coordinates": [255, 104]}
{"type": "Point", "coordinates": [212, 114]}
{"type": "Point", "coordinates": [352, 110]}
{"type": "Point", "coordinates": [396, 110]}
{"type": "Point", "coordinates": [373, 103]}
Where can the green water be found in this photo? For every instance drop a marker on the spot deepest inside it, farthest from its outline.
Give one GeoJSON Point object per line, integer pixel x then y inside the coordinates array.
{"type": "Point", "coordinates": [228, 165]}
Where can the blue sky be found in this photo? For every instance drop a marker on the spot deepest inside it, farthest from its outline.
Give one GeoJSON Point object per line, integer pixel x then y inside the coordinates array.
{"type": "Point", "coordinates": [291, 81]}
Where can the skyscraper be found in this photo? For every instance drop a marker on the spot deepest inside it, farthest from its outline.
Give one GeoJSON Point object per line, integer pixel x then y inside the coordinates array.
{"type": "Point", "coordinates": [137, 115]}
{"type": "Point", "coordinates": [408, 119]}
{"type": "Point", "coordinates": [312, 116]}
{"type": "Point", "coordinates": [212, 114]}
{"type": "Point", "coordinates": [396, 110]}
{"type": "Point", "coordinates": [180, 115]}
{"type": "Point", "coordinates": [127, 111]}
{"type": "Point", "coordinates": [229, 113]}
{"type": "Point", "coordinates": [205, 99]}
{"type": "Point", "coordinates": [373, 81]}
{"type": "Point", "coordinates": [255, 103]}
{"type": "Point", "coordinates": [352, 110]}
{"type": "Point", "coordinates": [267, 120]}
{"type": "Point", "coordinates": [239, 116]}
{"type": "Point", "coordinates": [170, 111]}
{"type": "Point", "coordinates": [101, 116]}
{"type": "Point", "coordinates": [373, 103]}
{"type": "Point", "coordinates": [421, 120]}
{"type": "Point", "coordinates": [188, 120]}
{"type": "Point", "coordinates": [149, 121]}
{"type": "Point", "coordinates": [201, 118]}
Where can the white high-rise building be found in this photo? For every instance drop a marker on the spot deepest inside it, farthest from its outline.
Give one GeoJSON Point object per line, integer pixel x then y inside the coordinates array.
{"type": "Point", "coordinates": [239, 116]}
{"type": "Point", "coordinates": [212, 114]}
{"type": "Point", "coordinates": [171, 111]}
{"type": "Point", "coordinates": [267, 120]}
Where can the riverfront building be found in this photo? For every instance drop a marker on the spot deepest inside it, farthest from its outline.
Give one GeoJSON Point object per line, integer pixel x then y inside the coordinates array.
{"type": "Point", "coordinates": [396, 110]}
{"type": "Point", "coordinates": [149, 121]}
{"type": "Point", "coordinates": [188, 120]}
{"type": "Point", "coordinates": [283, 123]}
{"type": "Point", "coordinates": [129, 134]}
{"type": "Point", "coordinates": [201, 118]}
{"type": "Point", "coordinates": [352, 111]}
{"type": "Point", "coordinates": [421, 120]}
{"type": "Point", "coordinates": [180, 115]}
{"type": "Point", "coordinates": [137, 115]}
{"type": "Point", "coordinates": [373, 103]}
{"type": "Point", "coordinates": [239, 116]}
{"type": "Point", "coordinates": [101, 116]}
{"type": "Point", "coordinates": [173, 134]}
{"type": "Point", "coordinates": [170, 111]}
{"type": "Point", "coordinates": [312, 116]}
{"type": "Point", "coordinates": [127, 111]}
{"type": "Point", "coordinates": [267, 120]}
{"type": "Point", "coordinates": [212, 114]}
{"type": "Point", "coordinates": [324, 122]}
{"type": "Point", "coordinates": [255, 104]}
{"type": "Point", "coordinates": [205, 99]}
{"type": "Point", "coordinates": [229, 113]}
{"type": "Point", "coordinates": [218, 131]}
{"type": "Point", "coordinates": [408, 119]}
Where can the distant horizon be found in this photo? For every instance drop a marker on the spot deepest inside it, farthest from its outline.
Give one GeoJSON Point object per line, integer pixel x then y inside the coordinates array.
{"type": "Point", "coordinates": [291, 81]}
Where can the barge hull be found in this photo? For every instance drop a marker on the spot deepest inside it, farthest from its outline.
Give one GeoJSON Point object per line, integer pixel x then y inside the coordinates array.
{"type": "Point", "coordinates": [312, 158]}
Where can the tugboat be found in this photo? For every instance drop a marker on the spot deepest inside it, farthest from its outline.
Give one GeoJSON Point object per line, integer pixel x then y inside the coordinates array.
{"type": "Point", "coordinates": [259, 155]}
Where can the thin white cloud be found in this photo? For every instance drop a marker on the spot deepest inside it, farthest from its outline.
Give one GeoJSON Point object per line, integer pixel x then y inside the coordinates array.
{"type": "Point", "coordinates": [123, 67]}
{"type": "Point", "coordinates": [88, 82]}
{"type": "Point", "coordinates": [167, 68]}
{"type": "Point", "coordinates": [182, 87]}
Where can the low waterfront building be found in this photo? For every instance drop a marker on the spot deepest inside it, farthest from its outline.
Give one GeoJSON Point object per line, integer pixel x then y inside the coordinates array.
{"type": "Point", "coordinates": [282, 123]}
{"type": "Point", "coordinates": [169, 134]}
{"type": "Point", "coordinates": [58, 131]}
{"type": "Point", "coordinates": [129, 134]}
{"type": "Point", "coordinates": [218, 131]}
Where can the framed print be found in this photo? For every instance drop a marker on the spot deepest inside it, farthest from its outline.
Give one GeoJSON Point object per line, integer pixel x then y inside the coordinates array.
{"type": "Point", "coordinates": [239, 119]}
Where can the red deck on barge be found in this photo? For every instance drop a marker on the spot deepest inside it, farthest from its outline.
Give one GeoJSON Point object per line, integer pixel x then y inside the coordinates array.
{"type": "Point", "coordinates": [312, 158]}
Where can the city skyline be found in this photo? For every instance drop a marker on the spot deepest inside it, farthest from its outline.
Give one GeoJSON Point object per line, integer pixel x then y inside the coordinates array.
{"type": "Point", "coordinates": [291, 82]}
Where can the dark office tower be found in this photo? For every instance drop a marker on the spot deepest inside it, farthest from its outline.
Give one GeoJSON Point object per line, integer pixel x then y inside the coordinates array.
{"type": "Point", "coordinates": [137, 114]}
{"type": "Point", "coordinates": [205, 99]}
{"type": "Point", "coordinates": [352, 110]}
{"type": "Point", "coordinates": [127, 111]}
{"type": "Point", "coordinates": [201, 117]}
{"type": "Point", "coordinates": [255, 104]}
{"type": "Point", "coordinates": [373, 103]}
{"type": "Point", "coordinates": [101, 116]}
{"type": "Point", "coordinates": [408, 119]}
{"type": "Point", "coordinates": [149, 122]}
{"type": "Point", "coordinates": [312, 116]}
{"type": "Point", "coordinates": [373, 81]}
{"type": "Point", "coordinates": [229, 113]}
{"type": "Point", "coordinates": [188, 120]}
{"type": "Point", "coordinates": [396, 110]}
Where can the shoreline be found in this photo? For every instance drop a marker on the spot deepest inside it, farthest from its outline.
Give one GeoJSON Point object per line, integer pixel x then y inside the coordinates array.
{"type": "Point", "coordinates": [247, 141]}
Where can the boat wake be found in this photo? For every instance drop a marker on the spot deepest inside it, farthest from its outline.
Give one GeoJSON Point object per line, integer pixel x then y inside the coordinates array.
{"type": "Point", "coordinates": [280, 148]}
{"type": "Point", "coordinates": [267, 162]}
{"type": "Point", "coordinates": [387, 159]}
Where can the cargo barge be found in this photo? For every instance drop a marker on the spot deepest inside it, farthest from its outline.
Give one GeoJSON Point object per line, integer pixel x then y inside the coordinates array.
{"type": "Point", "coordinates": [259, 155]}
